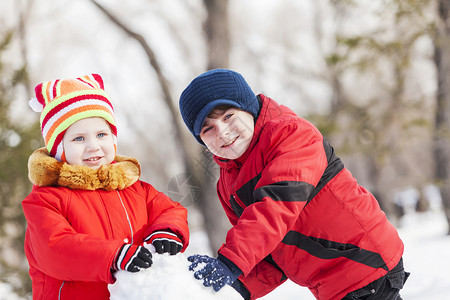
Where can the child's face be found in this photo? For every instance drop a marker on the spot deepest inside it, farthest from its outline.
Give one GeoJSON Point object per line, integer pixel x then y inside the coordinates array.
{"type": "Point", "coordinates": [228, 134]}
{"type": "Point", "coordinates": [89, 142]}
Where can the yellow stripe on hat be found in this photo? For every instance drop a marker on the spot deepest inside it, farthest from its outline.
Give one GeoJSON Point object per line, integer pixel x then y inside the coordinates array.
{"type": "Point", "coordinates": [72, 117]}
{"type": "Point", "coordinates": [59, 100]}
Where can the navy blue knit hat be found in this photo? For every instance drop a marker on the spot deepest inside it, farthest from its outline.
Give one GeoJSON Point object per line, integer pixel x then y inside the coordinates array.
{"type": "Point", "coordinates": [211, 89]}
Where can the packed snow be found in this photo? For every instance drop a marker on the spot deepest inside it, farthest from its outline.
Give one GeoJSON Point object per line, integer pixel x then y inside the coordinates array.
{"type": "Point", "coordinates": [168, 278]}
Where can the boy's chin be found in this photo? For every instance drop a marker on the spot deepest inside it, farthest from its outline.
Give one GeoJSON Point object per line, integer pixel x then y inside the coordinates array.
{"type": "Point", "coordinates": [230, 154]}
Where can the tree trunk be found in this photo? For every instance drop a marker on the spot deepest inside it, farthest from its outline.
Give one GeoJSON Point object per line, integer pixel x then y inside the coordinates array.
{"type": "Point", "coordinates": [217, 33]}
{"type": "Point", "coordinates": [218, 43]}
{"type": "Point", "coordinates": [442, 121]}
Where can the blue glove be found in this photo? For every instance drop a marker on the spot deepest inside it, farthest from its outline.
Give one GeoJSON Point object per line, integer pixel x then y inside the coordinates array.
{"type": "Point", "coordinates": [216, 272]}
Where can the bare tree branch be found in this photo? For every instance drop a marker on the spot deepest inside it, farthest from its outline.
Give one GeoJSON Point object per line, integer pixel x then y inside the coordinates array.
{"type": "Point", "coordinates": [163, 82]}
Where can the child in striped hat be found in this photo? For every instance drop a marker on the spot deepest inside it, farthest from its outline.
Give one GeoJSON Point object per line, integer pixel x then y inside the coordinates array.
{"type": "Point", "coordinates": [88, 214]}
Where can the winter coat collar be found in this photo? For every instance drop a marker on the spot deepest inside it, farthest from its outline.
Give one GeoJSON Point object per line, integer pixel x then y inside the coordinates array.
{"type": "Point", "coordinates": [270, 109]}
{"type": "Point", "coordinates": [44, 170]}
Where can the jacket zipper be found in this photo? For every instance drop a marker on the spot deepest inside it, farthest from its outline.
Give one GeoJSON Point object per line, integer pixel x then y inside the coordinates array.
{"type": "Point", "coordinates": [128, 218]}
{"type": "Point", "coordinates": [60, 288]}
{"type": "Point", "coordinates": [239, 203]}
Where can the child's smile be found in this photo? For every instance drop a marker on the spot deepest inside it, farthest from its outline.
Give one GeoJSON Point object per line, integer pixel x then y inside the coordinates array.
{"type": "Point", "coordinates": [228, 135]}
{"type": "Point", "coordinates": [230, 142]}
{"type": "Point", "coordinates": [93, 160]}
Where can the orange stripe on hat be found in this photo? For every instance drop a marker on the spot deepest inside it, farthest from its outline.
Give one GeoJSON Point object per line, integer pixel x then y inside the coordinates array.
{"type": "Point", "coordinates": [71, 113]}
{"type": "Point", "coordinates": [87, 80]}
{"type": "Point", "coordinates": [46, 92]}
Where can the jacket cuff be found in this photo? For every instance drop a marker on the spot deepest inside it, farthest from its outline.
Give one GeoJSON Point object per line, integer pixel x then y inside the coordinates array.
{"type": "Point", "coordinates": [241, 289]}
{"type": "Point", "coordinates": [167, 235]}
{"type": "Point", "coordinates": [235, 271]}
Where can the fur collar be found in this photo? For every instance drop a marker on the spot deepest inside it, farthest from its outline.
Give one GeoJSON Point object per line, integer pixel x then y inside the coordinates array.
{"type": "Point", "coordinates": [45, 170]}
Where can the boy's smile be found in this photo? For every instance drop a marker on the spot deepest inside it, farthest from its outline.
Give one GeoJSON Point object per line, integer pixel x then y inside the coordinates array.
{"type": "Point", "coordinates": [89, 142]}
{"type": "Point", "coordinates": [228, 134]}
{"type": "Point", "coordinates": [230, 142]}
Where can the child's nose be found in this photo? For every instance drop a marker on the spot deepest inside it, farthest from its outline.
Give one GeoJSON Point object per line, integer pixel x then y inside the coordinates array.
{"type": "Point", "coordinates": [224, 130]}
{"type": "Point", "coordinates": [93, 144]}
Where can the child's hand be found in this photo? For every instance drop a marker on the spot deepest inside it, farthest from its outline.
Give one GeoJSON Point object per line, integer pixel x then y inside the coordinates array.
{"type": "Point", "coordinates": [133, 258]}
{"type": "Point", "coordinates": [215, 272]}
{"type": "Point", "coordinates": [165, 241]}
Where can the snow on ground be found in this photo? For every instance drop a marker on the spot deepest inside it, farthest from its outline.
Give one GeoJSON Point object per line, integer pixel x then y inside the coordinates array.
{"type": "Point", "coordinates": [426, 257]}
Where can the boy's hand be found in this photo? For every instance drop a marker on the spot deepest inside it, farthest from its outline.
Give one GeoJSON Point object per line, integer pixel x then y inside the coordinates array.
{"type": "Point", "coordinates": [216, 272]}
{"type": "Point", "coordinates": [133, 258]}
{"type": "Point", "coordinates": [165, 241]}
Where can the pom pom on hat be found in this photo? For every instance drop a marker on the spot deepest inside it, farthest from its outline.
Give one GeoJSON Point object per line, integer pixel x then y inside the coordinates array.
{"type": "Point", "coordinates": [63, 102]}
{"type": "Point", "coordinates": [211, 89]}
{"type": "Point", "coordinates": [35, 105]}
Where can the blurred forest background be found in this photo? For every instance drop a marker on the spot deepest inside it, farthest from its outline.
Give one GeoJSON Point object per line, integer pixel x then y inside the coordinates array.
{"type": "Point", "coordinates": [373, 76]}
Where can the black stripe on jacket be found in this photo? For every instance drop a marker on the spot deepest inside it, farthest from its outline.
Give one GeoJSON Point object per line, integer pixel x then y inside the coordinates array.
{"type": "Point", "coordinates": [325, 249]}
{"type": "Point", "coordinates": [334, 166]}
{"type": "Point", "coordinates": [287, 190]}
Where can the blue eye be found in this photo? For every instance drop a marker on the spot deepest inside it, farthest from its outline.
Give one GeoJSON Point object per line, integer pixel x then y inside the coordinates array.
{"type": "Point", "coordinates": [78, 139]}
{"type": "Point", "coordinates": [228, 116]}
{"type": "Point", "coordinates": [100, 135]}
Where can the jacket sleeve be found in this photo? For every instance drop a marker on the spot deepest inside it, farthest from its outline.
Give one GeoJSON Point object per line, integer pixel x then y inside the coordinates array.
{"type": "Point", "coordinates": [262, 279]}
{"type": "Point", "coordinates": [50, 240]}
{"type": "Point", "coordinates": [164, 213]}
{"type": "Point", "coordinates": [294, 161]}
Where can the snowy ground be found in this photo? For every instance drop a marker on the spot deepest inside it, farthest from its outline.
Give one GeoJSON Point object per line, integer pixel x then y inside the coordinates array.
{"type": "Point", "coordinates": [427, 257]}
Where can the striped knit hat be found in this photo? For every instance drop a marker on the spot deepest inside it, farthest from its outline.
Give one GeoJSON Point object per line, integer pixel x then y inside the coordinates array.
{"type": "Point", "coordinates": [63, 102]}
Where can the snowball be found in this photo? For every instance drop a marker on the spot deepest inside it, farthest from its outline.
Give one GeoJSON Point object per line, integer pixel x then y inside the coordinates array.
{"type": "Point", "coordinates": [168, 278]}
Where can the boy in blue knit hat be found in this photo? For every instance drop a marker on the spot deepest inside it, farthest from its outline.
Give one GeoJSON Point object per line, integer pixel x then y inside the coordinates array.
{"type": "Point", "coordinates": [296, 211]}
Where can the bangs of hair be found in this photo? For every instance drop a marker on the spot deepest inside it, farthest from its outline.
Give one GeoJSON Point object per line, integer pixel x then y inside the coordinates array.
{"type": "Point", "coordinates": [219, 110]}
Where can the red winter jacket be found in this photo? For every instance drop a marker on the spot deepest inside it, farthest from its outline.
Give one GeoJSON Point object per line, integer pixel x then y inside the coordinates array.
{"type": "Point", "coordinates": [75, 230]}
{"type": "Point", "coordinates": [297, 213]}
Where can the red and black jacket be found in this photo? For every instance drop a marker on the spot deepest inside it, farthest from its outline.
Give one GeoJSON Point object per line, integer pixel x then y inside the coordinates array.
{"type": "Point", "coordinates": [297, 213]}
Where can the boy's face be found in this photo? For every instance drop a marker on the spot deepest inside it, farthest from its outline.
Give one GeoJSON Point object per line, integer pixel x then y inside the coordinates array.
{"type": "Point", "coordinates": [228, 134]}
{"type": "Point", "coordinates": [89, 142]}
